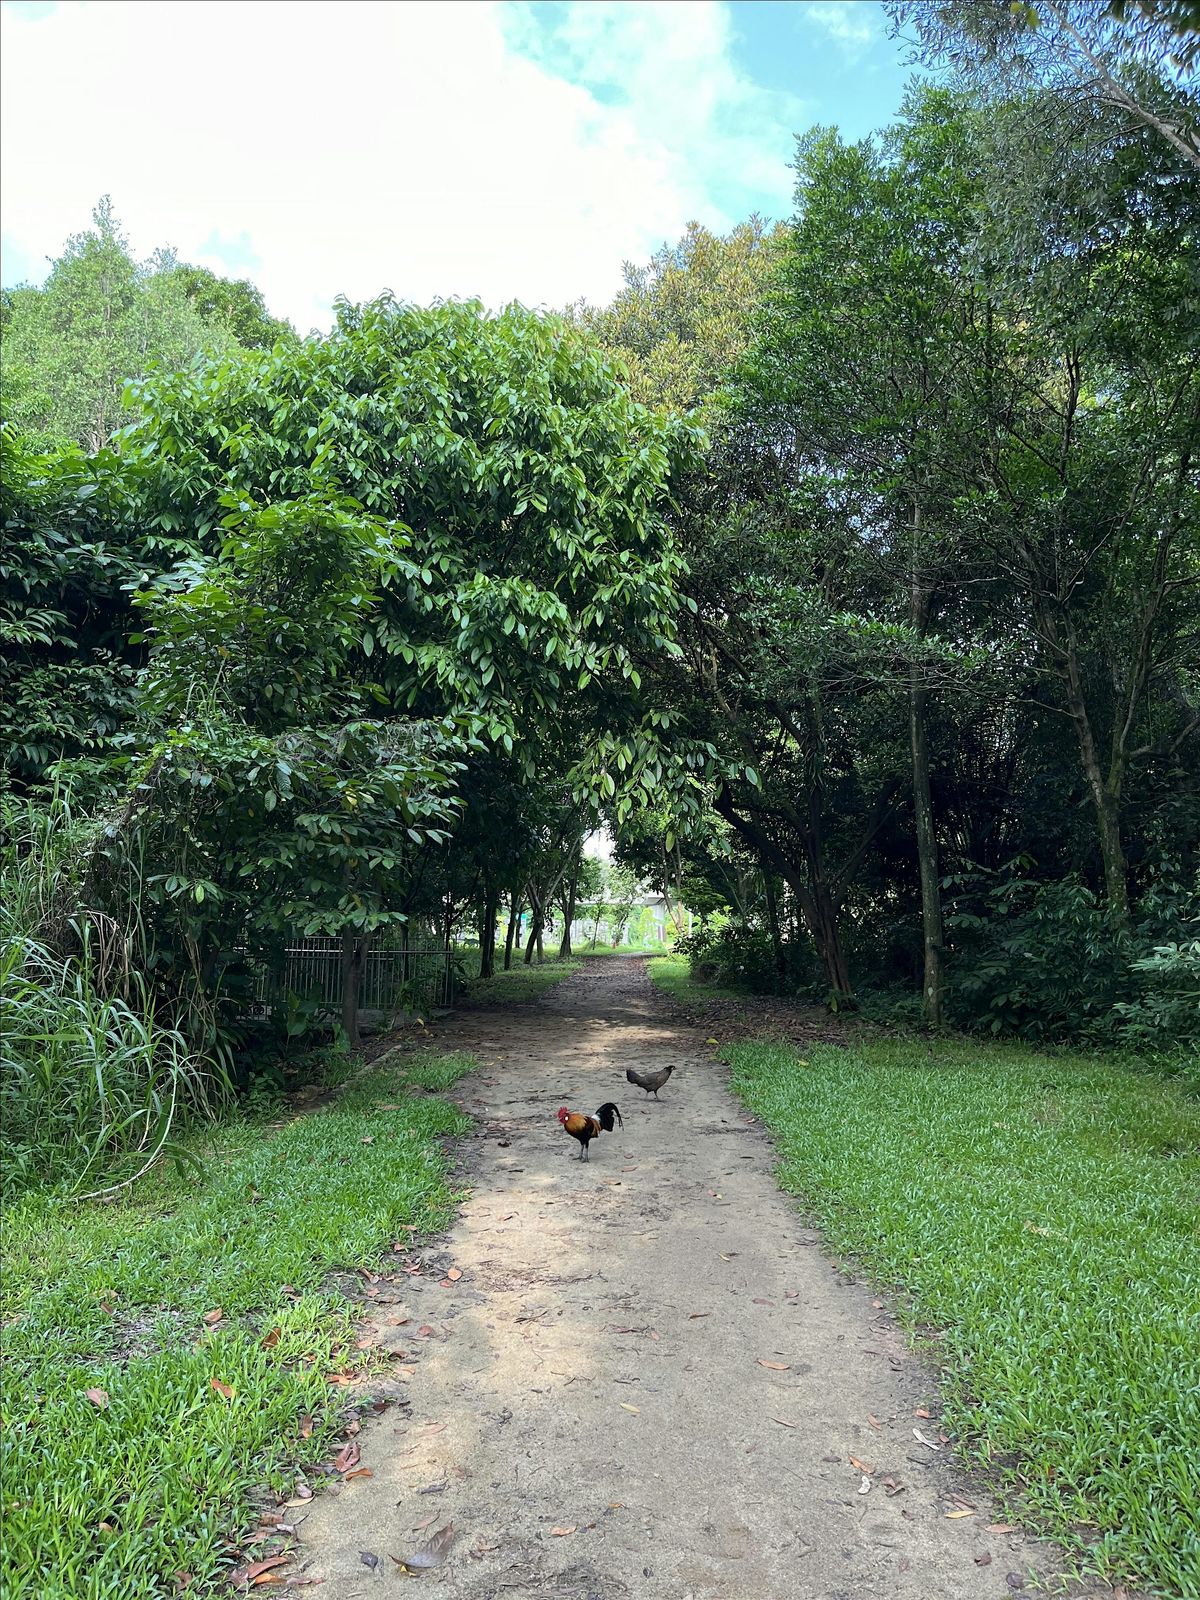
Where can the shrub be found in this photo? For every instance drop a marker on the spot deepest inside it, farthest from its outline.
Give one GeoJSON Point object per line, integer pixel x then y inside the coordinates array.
{"type": "Point", "coordinates": [1043, 961]}
{"type": "Point", "coordinates": [741, 957]}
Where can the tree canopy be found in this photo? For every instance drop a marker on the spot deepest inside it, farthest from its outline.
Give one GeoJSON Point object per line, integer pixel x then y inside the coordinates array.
{"type": "Point", "coordinates": [844, 567]}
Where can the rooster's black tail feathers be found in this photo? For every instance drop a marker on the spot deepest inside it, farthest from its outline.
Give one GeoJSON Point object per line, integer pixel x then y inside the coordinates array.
{"type": "Point", "coordinates": [606, 1114]}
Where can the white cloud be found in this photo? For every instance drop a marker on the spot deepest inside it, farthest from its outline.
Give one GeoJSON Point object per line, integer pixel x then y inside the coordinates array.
{"type": "Point", "coordinates": [432, 149]}
{"type": "Point", "coordinates": [854, 25]}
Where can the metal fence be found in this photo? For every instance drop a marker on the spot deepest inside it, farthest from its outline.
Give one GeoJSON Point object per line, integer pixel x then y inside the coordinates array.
{"type": "Point", "coordinates": [409, 979]}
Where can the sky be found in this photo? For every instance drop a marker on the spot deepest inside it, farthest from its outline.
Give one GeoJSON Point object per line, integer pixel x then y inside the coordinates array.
{"type": "Point", "coordinates": [510, 151]}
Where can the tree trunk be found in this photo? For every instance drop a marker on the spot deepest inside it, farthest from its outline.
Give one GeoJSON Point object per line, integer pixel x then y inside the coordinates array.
{"type": "Point", "coordinates": [489, 912]}
{"type": "Point", "coordinates": [821, 914]}
{"type": "Point", "coordinates": [514, 920]}
{"type": "Point", "coordinates": [817, 903]}
{"type": "Point", "coordinates": [1106, 797]}
{"type": "Point", "coordinates": [933, 928]}
{"type": "Point", "coordinates": [354, 949]}
{"type": "Point", "coordinates": [932, 988]}
{"type": "Point", "coordinates": [773, 924]}
{"type": "Point", "coordinates": [537, 918]}
{"type": "Point", "coordinates": [564, 949]}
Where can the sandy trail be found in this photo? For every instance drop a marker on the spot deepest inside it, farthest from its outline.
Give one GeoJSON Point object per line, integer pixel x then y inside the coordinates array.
{"type": "Point", "coordinates": [647, 1351]}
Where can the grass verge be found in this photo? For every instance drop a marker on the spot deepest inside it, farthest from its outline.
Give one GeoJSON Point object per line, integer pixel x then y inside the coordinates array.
{"type": "Point", "coordinates": [672, 974]}
{"type": "Point", "coordinates": [520, 983]}
{"type": "Point", "coordinates": [144, 1488]}
{"type": "Point", "coordinates": [1042, 1211]}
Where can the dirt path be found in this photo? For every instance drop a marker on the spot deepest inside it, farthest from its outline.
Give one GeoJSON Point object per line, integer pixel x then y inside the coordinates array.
{"type": "Point", "coordinates": [647, 1351]}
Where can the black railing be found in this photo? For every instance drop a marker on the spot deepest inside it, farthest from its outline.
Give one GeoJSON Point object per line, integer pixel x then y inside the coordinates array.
{"type": "Point", "coordinates": [413, 978]}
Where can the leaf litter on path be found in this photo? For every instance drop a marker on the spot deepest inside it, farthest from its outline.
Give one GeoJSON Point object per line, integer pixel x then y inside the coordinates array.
{"type": "Point", "coordinates": [431, 1554]}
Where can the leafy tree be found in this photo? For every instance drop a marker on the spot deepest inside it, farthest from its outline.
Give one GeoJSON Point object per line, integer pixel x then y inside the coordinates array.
{"type": "Point", "coordinates": [101, 319]}
{"type": "Point", "coordinates": [683, 321]}
{"type": "Point", "coordinates": [872, 321]}
{"type": "Point", "coordinates": [231, 303]}
{"type": "Point", "coordinates": [268, 800]}
{"type": "Point", "coordinates": [71, 556]}
{"type": "Point", "coordinates": [468, 510]}
{"type": "Point", "coordinates": [1131, 59]}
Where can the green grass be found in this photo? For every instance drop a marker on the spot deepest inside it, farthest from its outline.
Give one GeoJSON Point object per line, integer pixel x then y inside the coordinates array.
{"type": "Point", "coordinates": [520, 983]}
{"type": "Point", "coordinates": [115, 1502]}
{"type": "Point", "coordinates": [584, 948]}
{"type": "Point", "coordinates": [1042, 1210]}
{"type": "Point", "coordinates": [433, 1073]}
{"type": "Point", "coordinates": [672, 974]}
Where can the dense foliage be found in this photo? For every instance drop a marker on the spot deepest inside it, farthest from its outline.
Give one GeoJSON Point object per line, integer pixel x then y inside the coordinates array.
{"type": "Point", "coordinates": [945, 559]}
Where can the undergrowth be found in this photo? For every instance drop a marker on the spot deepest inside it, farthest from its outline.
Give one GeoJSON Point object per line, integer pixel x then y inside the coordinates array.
{"type": "Point", "coordinates": [673, 975]}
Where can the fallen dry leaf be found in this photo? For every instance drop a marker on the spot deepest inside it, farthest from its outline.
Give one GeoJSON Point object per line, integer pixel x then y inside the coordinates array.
{"type": "Point", "coordinates": [454, 1274]}
{"type": "Point", "coordinates": [696, 1314]}
{"type": "Point", "coordinates": [270, 1340]}
{"type": "Point", "coordinates": [921, 1439]}
{"type": "Point", "coordinates": [431, 1554]}
{"type": "Point", "coordinates": [223, 1389]}
{"type": "Point", "coordinates": [306, 1427]}
{"type": "Point", "coordinates": [268, 1577]}
{"type": "Point", "coordinates": [921, 1412]}
{"type": "Point", "coordinates": [1001, 1527]}
{"type": "Point", "coordinates": [257, 1568]}
{"type": "Point", "coordinates": [98, 1397]}
{"type": "Point", "coordinates": [561, 1533]}
{"type": "Point", "coordinates": [625, 1407]}
{"type": "Point", "coordinates": [348, 1456]}
{"type": "Point", "coordinates": [860, 1466]}
{"type": "Point", "coordinates": [214, 1316]}
{"type": "Point", "coordinates": [775, 1366]}
{"type": "Point", "coordinates": [874, 1421]}
{"type": "Point", "coordinates": [953, 1514]}
{"type": "Point", "coordinates": [782, 1423]}
{"type": "Point", "coordinates": [984, 1560]}
{"type": "Point", "coordinates": [359, 1472]}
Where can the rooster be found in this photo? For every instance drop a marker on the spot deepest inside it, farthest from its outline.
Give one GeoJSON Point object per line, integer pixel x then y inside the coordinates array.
{"type": "Point", "coordinates": [585, 1129]}
{"type": "Point", "coordinates": [651, 1082]}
